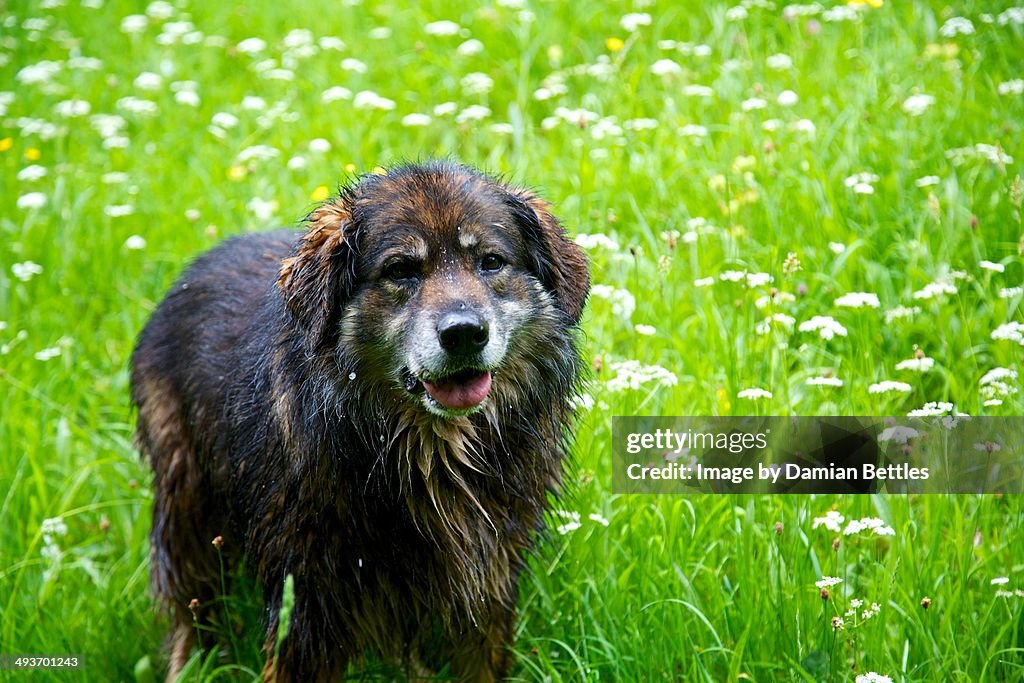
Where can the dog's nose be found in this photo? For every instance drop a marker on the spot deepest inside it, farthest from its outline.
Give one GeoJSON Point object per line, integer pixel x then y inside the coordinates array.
{"type": "Point", "coordinates": [462, 332]}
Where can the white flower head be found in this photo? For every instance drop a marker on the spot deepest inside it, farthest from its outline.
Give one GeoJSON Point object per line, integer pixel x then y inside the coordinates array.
{"type": "Point", "coordinates": [858, 300]}
{"type": "Point", "coordinates": [915, 105]}
{"type": "Point", "coordinates": [754, 393]}
{"type": "Point", "coordinates": [135, 243]}
{"type": "Point", "coordinates": [666, 67]}
{"type": "Point", "coordinates": [633, 21]}
{"type": "Point", "coordinates": [826, 326]}
{"type": "Point", "coordinates": [956, 26]}
{"type": "Point", "coordinates": [31, 200]}
{"type": "Point", "coordinates": [442, 28]}
{"type": "Point", "coordinates": [917, 364]}
{"type": "Point", "coordinates": [888, 385]}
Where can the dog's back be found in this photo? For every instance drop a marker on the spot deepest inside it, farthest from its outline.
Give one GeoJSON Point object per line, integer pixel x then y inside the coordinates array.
{"type": "Point", "coordinates": [181, 370]}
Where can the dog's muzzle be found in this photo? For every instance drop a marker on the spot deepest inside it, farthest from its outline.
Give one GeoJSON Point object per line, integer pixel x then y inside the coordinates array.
{"type": "Point", "coordinates": [462, 386]}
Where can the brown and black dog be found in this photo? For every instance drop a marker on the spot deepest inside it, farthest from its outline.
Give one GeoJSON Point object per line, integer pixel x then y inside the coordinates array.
{"type": "Point", "coordinates": [378, 406]}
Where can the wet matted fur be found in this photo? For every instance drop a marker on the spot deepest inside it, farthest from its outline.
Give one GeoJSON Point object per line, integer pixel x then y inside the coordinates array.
{"type": "Point", "coordinates": [378, 405]}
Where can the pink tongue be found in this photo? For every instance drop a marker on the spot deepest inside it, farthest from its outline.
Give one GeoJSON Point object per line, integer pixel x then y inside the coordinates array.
{"type": "Point", "coordinates": [459, 395]}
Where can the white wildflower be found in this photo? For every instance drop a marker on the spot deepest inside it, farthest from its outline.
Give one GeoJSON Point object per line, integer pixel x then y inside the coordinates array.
{"type": "Point", "coordinates": [252, 45]}
{"type": "Point", "coordinates": [932, 409]}
{"type": "Point", "coordinates": [26, 270]}
{"type": "Point", "coordinates": [31, 200]}
{"type": "Point", "coordinates": [134, 23]}
{"type": "Point", "coordinates": [596, 240]}
{"type": "Point", "coordinates": [474, 112]}
{"type": "Point", "coordinates": [956, 26]}
{"type": "Point", "coordinates": [994, 267]}
{"type": "Point", "coordinates": [442, 28]}
{"type": "Point", "coordinates": [633, 21]}
{"type": "Point", "coordinates": [826, 326]}
{"type": "Point", "coordinates": [915, 105]}
{"type": "Point", "coordinates": [335, 93]}
{"type": "Point", "coordinates": [888, 385]}
{"type": "Point", "coordinates": [919, 364]}
{"type": "Point", "coordinates": [831, 521]}
{"type": "Point", "coordinates": [1012, 87]}
{"type": "Point", "coordinates": [354, 65]}
{"type": "Point", "coordinates": [622, 300]}
{"type": "Point", "coordinates": [147, 80]}
{"type": "Point", "coordinates": [367, 99]}
{"type": "Point", "coordinates": [754, 393]}
{"type": "Point", "coordinates": [787, 98]}
{"type": "Point", "coordinates": [666, 67]}
{"type": "Point", "coordinates": [935, 289]}
{"type": "Point", "coordinates": [119, 210]}
{"type": "Point", "coordinates": [898, 434]}
{"type": "Point", "coordinates": [858, 300]}
{"type": "Point", "coordinates": [319, 146]}
{"type": "Point", "coordinates": [476, 83]}
{"type": "Point", "coordinates": [632, 374]}
{"type": "Point", "coordinates": [691, 130]}
{"type": "Point", "coordinates": [697, 90]}
{"type": "Point", "coordinates": [47, 354]}
{"type": "Point", "coordinates": [416, 120]}
{"type": "Point", "coordinates": [72, 108]}
{"type": "Point", "coordinates": [470, 48]}
{"type": "Point", "coordinates": [135, 243]}
{"type": "Point", "coordinates": [1011, 331]}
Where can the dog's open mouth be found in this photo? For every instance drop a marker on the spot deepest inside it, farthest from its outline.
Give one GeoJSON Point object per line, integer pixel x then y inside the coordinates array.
{"type": "Point", "coordinates": [462, 390]}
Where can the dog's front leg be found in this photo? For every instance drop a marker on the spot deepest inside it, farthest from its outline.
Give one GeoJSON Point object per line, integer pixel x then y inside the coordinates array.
{"type": "Point", "coordinates": [483, 655]}
{"type": "Point", "coordinates": [307, 653]}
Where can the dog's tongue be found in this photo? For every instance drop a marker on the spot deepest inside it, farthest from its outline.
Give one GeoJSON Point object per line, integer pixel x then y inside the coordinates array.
{"type": "Point", "coordinates": [460, 391]}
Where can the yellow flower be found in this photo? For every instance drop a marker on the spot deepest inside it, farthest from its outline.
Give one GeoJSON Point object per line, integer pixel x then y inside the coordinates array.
{"type": "Point", "coordinates": [724, 404]}
{"type": "Point", "coordinates": [6, 144]}
{"type": "Point", "coordinates": [32, 154]}
{"type": "Point", "coordinates": [380, 170]}
{"type": "Point", "coordinates": [319, 194]}
{"type": "Point", "coordinates": [875, 4]}
{"type": "Point", "coordinates": [350, 168]}
{"type": "Point", "coordinates": [236, 173]}
{"type": "Point", "coordinates": [614, 44]}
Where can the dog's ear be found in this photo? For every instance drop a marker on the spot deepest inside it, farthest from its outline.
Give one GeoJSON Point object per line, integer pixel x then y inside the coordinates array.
{"type": "Point", "coordinates": [557, 260]}
{"type": "Point", "coordinates": [317, 280]}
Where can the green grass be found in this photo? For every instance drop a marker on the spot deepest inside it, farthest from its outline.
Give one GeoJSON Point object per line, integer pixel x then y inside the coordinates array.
{"type": "Point", "coordinates": [686, 588]}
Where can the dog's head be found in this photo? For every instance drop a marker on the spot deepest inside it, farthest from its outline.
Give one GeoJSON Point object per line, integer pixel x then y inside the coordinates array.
{"type": "Point", "coordinates": [438, 280]}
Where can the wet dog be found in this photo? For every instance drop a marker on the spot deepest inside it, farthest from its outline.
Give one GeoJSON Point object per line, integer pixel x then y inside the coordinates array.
{"type": "Point", "coordinates": [379, 406]}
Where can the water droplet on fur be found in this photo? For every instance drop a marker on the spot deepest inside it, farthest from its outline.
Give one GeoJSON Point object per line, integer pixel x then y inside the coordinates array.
{"type": "Point", "coordinates": [352, 376]}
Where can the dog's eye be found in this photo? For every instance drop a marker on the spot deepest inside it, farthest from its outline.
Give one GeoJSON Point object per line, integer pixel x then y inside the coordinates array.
{"type": "Point", "coordinates": [492, 263]}
{"type": "Point", "coordinates": [402, 270]}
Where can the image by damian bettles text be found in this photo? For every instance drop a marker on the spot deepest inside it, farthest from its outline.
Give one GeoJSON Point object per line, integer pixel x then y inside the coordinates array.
{"type": "Point", "coordinates": [949, 454]}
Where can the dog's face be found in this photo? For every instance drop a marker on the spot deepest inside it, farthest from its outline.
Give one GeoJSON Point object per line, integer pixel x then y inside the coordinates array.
{"type": "Point", "coordinates": [438, 279]}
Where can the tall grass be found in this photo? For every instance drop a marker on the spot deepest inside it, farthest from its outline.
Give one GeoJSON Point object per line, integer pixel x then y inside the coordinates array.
{"type": "Point", "coordinates": [686, 185]}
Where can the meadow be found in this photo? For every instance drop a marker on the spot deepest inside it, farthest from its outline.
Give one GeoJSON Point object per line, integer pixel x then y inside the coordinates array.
{"type": "Point", "coordinates": [808, 209]}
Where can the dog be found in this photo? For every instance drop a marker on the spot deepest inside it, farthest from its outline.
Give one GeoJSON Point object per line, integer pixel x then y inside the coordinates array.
{"type": "Point", "coordinates": [380, 406]}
